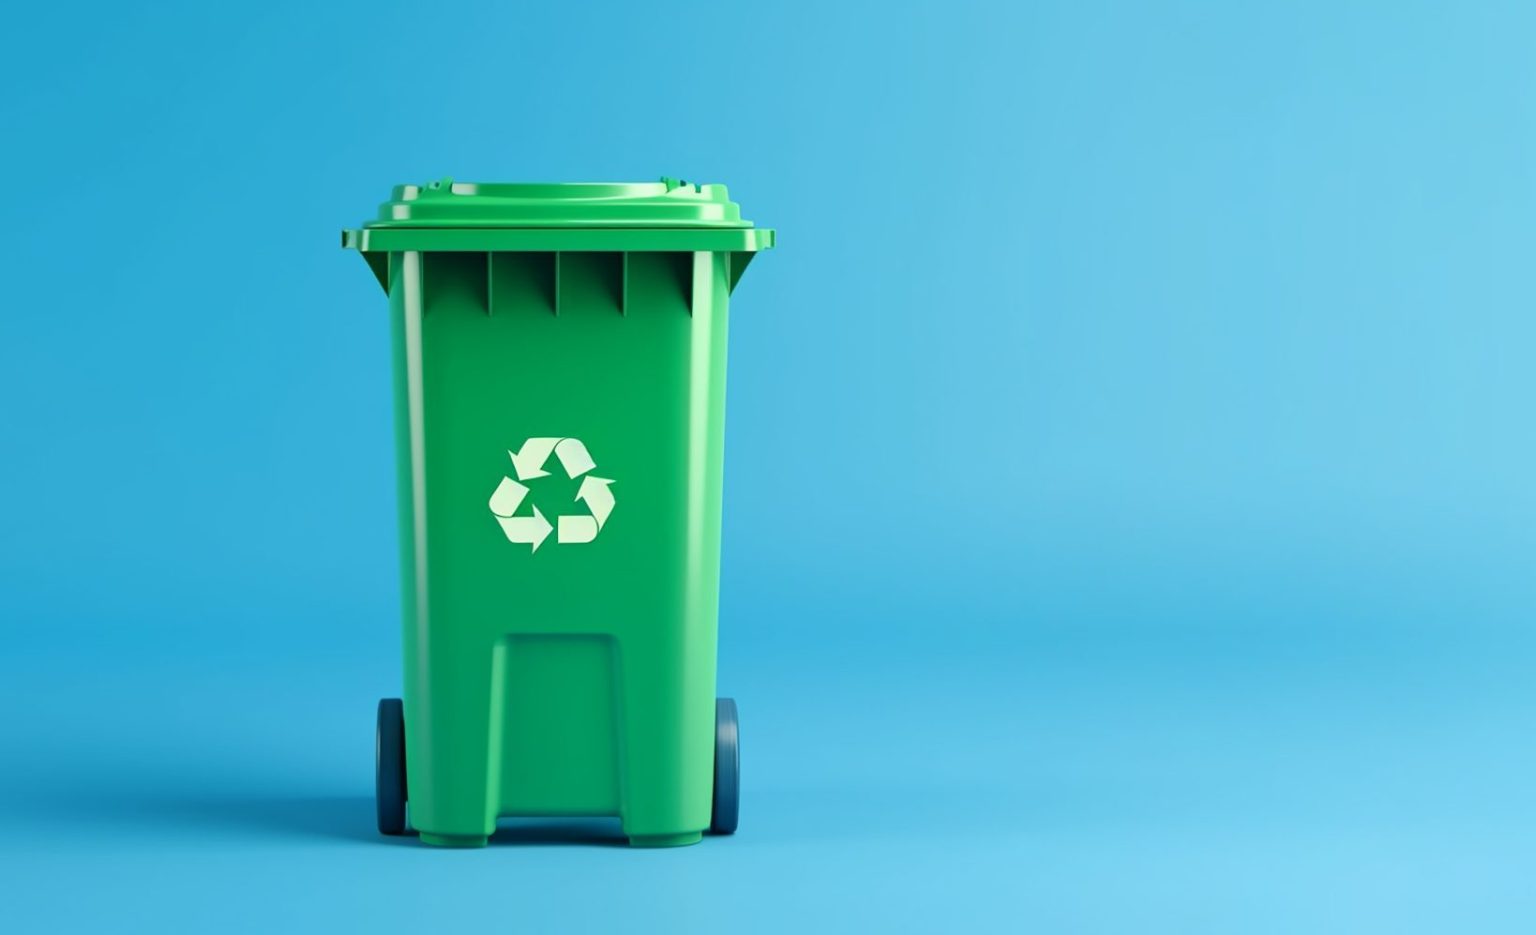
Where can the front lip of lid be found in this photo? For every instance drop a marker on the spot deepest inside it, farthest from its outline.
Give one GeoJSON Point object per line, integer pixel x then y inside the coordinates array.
{"type": "Point", "coordinates": [666, 204]}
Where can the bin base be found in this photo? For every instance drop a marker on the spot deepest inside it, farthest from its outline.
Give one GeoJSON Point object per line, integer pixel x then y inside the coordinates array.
{"type": "Point", "coordinates": [665, 840]}
{"type": "Point", "coordinates": [453, 840]}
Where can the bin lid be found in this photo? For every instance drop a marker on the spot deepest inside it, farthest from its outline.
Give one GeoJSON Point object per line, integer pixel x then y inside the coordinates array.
{"type": "Point", "coordinates": [669, 203]}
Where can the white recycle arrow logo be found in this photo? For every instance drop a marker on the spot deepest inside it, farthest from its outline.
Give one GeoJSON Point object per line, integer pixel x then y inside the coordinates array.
{"type": "Point", "coordinates": [528, 463]}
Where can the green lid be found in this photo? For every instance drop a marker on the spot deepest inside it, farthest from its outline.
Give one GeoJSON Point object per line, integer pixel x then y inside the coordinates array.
{"type": "Point", "coordinates": [669, 203]}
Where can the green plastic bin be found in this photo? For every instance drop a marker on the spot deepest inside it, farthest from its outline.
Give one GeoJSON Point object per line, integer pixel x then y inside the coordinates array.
{"type": "Point", "coordinates": [559, 372]}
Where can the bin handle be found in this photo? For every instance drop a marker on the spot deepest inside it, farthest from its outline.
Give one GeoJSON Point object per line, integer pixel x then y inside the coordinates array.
{"type": "Point", "coordinates": [377, 261]}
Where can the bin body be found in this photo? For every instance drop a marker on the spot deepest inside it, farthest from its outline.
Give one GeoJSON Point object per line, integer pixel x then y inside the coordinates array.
{"type": "Point", "coordinates": [559, 374]}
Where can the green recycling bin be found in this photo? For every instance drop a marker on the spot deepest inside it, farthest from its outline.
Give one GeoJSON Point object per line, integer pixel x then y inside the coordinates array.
{"type": "Point", "coordinates": [559, 380]}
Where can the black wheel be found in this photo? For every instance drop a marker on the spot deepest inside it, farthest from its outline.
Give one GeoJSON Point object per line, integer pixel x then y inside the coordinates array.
{"type": "Point", "coordinates": [727, 805]}
{"type": "Point", "coordinates": [389, 766]}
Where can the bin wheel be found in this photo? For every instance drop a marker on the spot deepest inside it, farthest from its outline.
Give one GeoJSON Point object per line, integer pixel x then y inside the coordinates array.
{"type": "Point", "coordinates": [389, 766]}
{"type": "Point", "coordinates": [727, 802]}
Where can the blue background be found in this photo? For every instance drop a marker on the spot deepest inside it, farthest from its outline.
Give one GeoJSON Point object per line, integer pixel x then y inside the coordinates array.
{"type": "Point", "coordinates": [1130, 515]}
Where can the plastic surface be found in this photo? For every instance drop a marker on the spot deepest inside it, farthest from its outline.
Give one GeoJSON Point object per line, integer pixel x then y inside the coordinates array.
{"type": "Point", "coordinates": [668, 203]}
{"type": "Point", "coordinates": [389, 767]}
{"type": "Point", "coordinates": [727, 804]}
{"type": "Point", "coordinates": [560, 417]}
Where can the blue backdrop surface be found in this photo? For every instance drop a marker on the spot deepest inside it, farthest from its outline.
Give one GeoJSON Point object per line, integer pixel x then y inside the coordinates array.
{"type": "Point", "coordinates": [1129, 519]}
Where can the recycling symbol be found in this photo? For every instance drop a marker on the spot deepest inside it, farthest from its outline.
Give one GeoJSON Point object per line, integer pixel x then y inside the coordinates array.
{"type": "Point", "coordinates": [528, 463]}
